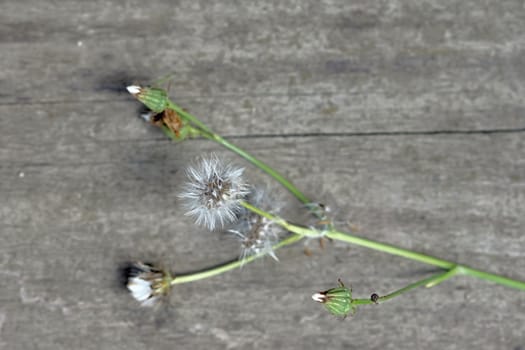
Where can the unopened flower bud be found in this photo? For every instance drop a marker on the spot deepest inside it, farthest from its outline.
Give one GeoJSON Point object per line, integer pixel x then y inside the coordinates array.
{"type": "Point", "coordinates": [153, 98]}
{"type": "Point", "coordinates": [257, 234]}
{"type": "Point", "coordinates": [338, 301]}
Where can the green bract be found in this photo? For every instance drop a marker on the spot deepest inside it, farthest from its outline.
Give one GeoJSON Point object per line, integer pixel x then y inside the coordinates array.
{"type": "Point", "coordinates": [153, 98]}
{"type": "Point", "coordinates": [338, 301]}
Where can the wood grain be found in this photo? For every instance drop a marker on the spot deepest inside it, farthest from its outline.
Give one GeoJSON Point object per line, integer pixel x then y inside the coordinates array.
{"type": "Point", "coordinates": [407, 117]}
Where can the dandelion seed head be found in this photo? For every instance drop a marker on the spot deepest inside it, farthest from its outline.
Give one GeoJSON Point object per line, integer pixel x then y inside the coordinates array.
{"type": "Point", "coordinates": [258, 241]}
{"type": "Point", "coordinates": [213, 192]}
{"type": "Point", "coordinates": [256, 234]}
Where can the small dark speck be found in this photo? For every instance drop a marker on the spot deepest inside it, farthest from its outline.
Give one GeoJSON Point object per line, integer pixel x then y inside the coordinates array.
{"type": "Point", "coordinates": [344, 66]}
{"type": "Point", "coordinates": [22, 99]}
{"type": "Point", "coordinates": [339, 66]}
{"type": "Point", "coordinates": [359, 20]}
{"type": "Point", "coordinates": [107, 56]}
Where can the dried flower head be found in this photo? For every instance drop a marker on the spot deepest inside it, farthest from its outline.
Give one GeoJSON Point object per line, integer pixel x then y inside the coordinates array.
{"type": "Point", "coordinates": [147, 283]}
{"type": "Point", "coordinates": [256, 234]}
{"type": "Point", "coordinates": [170, 119]}
{"type": "Point", "coordinates": [214, 192]}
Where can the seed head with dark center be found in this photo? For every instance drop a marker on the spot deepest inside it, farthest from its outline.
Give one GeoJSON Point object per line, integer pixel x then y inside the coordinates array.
{"type": "Point", "coordinates": [213, 192]}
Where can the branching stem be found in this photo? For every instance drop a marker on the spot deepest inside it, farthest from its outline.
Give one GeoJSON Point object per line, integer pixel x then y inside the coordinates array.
{"type": "Point", "coordinates": [452, 269]}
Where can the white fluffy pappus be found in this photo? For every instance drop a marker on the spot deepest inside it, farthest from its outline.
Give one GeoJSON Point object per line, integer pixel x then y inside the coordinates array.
{"type": "Point", "coordinates": [259, 240]}
{"type": "Point", "coordinates": [256, 234]}
{"type": "Point", "coordinates": [147, 283]}
{"type": "Point", "coordinates": [213, 192]}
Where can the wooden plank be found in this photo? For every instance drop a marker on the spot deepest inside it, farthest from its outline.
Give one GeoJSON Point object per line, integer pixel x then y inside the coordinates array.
{"type": "Point", "coordinates": [415, 67]}
{"type": "Point", "coordinates": [454, 197]}
{"type": "Point", "coordinates": [256, 116]}
{"type": "Point", "coordinates": [405, 117]}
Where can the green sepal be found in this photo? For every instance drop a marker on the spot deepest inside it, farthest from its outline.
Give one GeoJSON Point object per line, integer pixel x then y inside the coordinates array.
{"type": "Point", "coordinates": [185, 132]}
{"type": "Point", "coordinates": [153, 98]}
{"type": "Point", "coordinates": [339, 301]}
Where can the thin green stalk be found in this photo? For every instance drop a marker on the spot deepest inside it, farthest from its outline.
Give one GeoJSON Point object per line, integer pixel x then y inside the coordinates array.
{"type": "Point", "coordinates": [187, 116]}
{"type": "Point", "coordinates": [443, 277]}
{"type": "Point", "coordinates": [427, 282]}
{"type": "Point", "coordinates": [303, 231]}
{"type": "Point", "coordinates": [345, 237]}
{"type": "Point", "coordinates": [201, 129]}
{"type": "Point", "coordinates": [427, 259]}
{"type": "Point", "coordinates": [469, 271]}
{"type": "Point", "coordinates": [391, 249]}
{"type": "Point", "coordinates": [230, 266]}
{"type": "Point", "coordinates": [206, 132]}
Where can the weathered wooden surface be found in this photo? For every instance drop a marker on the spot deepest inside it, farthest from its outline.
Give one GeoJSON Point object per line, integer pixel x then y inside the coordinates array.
{"type": "Point", "coordinates": [406, 116]}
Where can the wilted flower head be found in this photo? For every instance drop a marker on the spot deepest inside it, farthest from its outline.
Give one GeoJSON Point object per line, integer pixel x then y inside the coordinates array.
{"type": "Point", "coordinates": [170, 119]}
{"type": "Point", "coordinates": [146, 282]}
{"type": "Point", "coordinates": [214, 192]}
{"type": "Point", "coordinates": [256, 234]}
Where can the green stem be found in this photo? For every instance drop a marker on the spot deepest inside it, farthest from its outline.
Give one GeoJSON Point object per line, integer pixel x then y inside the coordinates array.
{"type": "Point", "coordinates": [427, 282]}
{"type": "Point", "coordinates": [206, 132]}
{"type": "Point", "coordinates": [201, 129]}
{"type": "Point", "coordinates": [427, 259]}
{"type": "Point", "coordinates": [505, 281]}
{"type": "Point", "coordinates": [168, 132]}
{"type": "Point", "coordinates": [391, 249]}
{"type": "Point", "coordinates": [443, 277]}
{"type": "Point", "coordinates": [303, 231]}
{"type": "Point", "coordinates": [450, 266]}
{"type": "Point", "coordinates": [187, 116]}
{"type": "Point", "coordinates": [230, 266]}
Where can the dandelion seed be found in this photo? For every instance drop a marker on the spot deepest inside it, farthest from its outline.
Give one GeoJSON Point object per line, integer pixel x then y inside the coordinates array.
{"type": "Point", "coordinates": [214, 192]}
{"type": "Point", "coordinates": [259, 241]}
{"type": "Point", "coordinates": [256, 234]}
{"type": "Point", "coordinates": [147, 283]}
